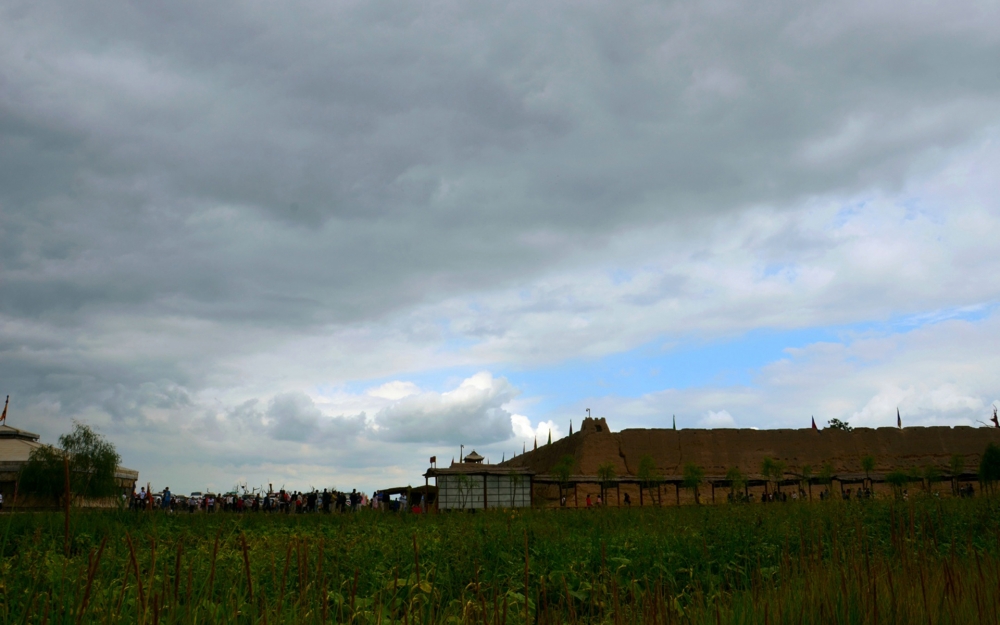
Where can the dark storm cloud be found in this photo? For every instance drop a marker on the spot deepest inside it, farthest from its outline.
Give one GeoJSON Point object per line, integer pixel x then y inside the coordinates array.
{"type": "Point", "coordinates": [262, 162]}
{"type": "Point", "coordinates": [185, 183]}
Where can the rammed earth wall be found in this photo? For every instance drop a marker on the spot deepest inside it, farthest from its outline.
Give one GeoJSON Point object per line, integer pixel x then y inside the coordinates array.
{"type": "Point", "coordinates": [716, 451]}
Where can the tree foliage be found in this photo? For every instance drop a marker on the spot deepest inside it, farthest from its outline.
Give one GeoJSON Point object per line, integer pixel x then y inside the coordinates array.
{"type": "Point", "coordinates": [806, 477]}
{"type": "Point", "coordinates": [868, 465]}
{"type": "Point", "coordinates": [563, 469]}
{"type": "Point", "coordinates": [737, 481]}
{"type": "Point", "coordinates": [837, 424]}
{"type": "Point", "coordinates": [693, 477]}
{"type": "Point", "coordinates": [647, 473]}
{"type": "Point", "coordinates": [898, 480]}
{"type": "Point", "coordinates": [606, 476]}
{"type": "Point", "coordinates": [773, 470]}
{"type": "Point", "coordinates": [989, 467]}
{"type": "Point", "coordinates": [825, 474]}
{"type": "Point", "coordinates": [957, 465]}
{"type": "Point", "coordinates": [93, 461]}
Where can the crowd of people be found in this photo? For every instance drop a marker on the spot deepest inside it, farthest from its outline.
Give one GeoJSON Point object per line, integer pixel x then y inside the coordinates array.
{"type": "Point", "coordinates": [281, 502]}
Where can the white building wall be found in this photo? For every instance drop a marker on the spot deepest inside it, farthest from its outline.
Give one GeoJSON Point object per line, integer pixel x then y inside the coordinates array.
{"type": "Point", "coordinates": [466, 492]}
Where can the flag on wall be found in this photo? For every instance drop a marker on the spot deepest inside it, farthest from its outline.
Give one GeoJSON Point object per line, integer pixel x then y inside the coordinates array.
{"type": "Point", "coordinates": [996, 423]}
{"type": "Point", "coordinates": [3, 417]}
{"type": "Point", "coordinates": [675, 422]}
{"type": "Point", "coordinates": [814, 424]}
{"type": "Point", "coordinates": [550, 438]}
{"type": "Point", "coordinates": [899, 420]}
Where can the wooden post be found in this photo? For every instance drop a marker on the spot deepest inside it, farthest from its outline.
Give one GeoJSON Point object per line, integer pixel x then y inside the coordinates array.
{"type": "Point", "coordinates": [66, 496]}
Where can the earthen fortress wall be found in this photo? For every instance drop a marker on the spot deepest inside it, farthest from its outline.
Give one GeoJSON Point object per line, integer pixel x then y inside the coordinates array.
{"type": "Point", "coordinates": [718, 450]}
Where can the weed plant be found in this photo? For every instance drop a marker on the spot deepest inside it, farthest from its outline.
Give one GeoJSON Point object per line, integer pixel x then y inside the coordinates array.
{"type": "Point", "coordinates": [921, 561]}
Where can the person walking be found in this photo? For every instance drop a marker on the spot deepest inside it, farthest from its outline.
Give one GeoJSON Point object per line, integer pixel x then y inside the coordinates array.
{"type": "Point", "coordinates": [166, 500]}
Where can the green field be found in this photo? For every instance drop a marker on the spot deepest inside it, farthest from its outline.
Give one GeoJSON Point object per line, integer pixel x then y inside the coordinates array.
{"type": "Point", "coordinates": [922, 561]}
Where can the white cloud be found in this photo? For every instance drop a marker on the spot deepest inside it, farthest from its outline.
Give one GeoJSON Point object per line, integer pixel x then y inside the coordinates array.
{"type": "Point", "coordinates": [720, 419]}
{"type": "Point", "coordinates": [394, 390]}
{"type": "Point", "coordinates": [939, 374]}
{"type": "Point", "coordinates": [473, 413]}
{"type": "Point", "coordinates": [527, 433]}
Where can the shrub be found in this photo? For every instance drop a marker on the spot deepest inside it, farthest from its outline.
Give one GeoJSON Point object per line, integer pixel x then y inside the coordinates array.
{"type": "Point", "coordinates": [989, 467]}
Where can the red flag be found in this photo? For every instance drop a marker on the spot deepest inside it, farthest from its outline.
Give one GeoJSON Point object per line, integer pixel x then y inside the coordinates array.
{"type": "Point", "coordinates": [434, 459]}
{"type": "Point", "coordinates": [3, 417]}
{"type": "Point", "coordinates": [899, 420]}
{"type": "Point", "coordinates": [814, 423]}
{"type": "Point", "coordinates": [996, 423]}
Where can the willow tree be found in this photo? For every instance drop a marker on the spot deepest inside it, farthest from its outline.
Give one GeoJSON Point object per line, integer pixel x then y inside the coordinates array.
{"type": "Point", "coordinates": [807, 477]}
{"type": "Point", "coordinates": [693, 477]}
{"type": "Point", "coordinates": [93, 462]}
{"type": "Point", "coordinates": [989, 468]}
{"type": "Point", "coordinates": [648, 475]}
{"type": "Point", "coordinates": [606, 477]}
{"type": "Point", "coordinates": [868, 465]}
{"type": "Point", "coordinates": [562, 470]}
{"type": "Point", "coordinates": [826, 475]}
{"type": "Point", "coordinates": [957, 467]}
{"type": "Point", "coordinates": [737, 483]}
{"type": "Point", "coordinates": [773, 471]}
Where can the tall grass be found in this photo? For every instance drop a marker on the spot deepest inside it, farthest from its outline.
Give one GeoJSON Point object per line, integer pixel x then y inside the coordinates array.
{"type": "Point", "coordinates": [923, 561]}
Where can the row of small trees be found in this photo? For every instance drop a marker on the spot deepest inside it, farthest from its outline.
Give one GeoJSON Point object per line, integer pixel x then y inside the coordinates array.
{"type": "Point", "coordinates": [775, 472]}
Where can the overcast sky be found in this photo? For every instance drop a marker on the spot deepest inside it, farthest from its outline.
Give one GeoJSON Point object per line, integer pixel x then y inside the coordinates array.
{"type": "Point", "coordinates": [313, 243]}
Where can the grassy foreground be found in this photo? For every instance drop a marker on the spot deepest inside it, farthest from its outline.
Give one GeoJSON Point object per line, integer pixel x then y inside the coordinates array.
{"type": "Point", "coordinates": [922, 561]}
